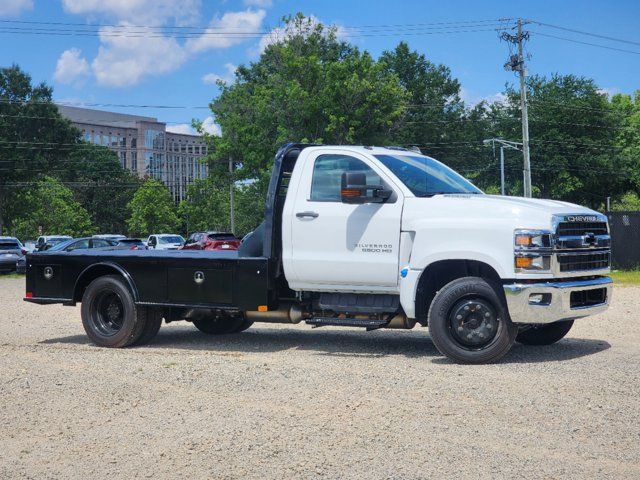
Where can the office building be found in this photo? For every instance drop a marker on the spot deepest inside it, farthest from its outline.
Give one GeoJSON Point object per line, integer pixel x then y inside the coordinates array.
{"type": "Point", "coordinates": [144, 146]}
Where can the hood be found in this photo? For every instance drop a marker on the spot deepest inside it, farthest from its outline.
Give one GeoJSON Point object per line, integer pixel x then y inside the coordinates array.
{"type": "Point", "coordinates": [518, 211]}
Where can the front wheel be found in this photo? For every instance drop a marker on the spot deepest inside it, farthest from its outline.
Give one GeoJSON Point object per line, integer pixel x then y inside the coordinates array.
{"type": "Point", "coordinates": [544, 334]}
{"type": "Point", "coordinates": [469, 323]}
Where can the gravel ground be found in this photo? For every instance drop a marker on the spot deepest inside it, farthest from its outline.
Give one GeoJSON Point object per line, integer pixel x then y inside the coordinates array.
{"type": "Point", "coordinates": [292, 402]}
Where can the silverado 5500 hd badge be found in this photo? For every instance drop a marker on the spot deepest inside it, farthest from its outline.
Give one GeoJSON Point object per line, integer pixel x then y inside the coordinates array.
{"type": "Point", "coordinates": [374, 247]}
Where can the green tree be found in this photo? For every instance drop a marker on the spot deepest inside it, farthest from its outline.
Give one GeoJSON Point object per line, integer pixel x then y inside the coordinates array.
{"type": "Point", "coordinates": [630, 201]}
{"type": "Point", "coordinates": [308, 87]}
{"type": "Point", "coordinates": [49, 208]}
{"type": "Point", "coordinates": [573, 131]}
{"type": "Point", "coordinates": [627, 110]}
{"type": "Point", "coordinates": [207, 207]}
{"type": "Point", "coordinates": [152, 210]}
{"type": "Point", "coordinates": [101, 186]}
{"type": "Point", "coordinates": [436, 117]}
{"type": "Point", "coordinates": [34, 138]}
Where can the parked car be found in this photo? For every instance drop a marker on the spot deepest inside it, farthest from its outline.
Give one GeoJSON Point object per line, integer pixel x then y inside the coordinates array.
{"type": "Point", "coordinates": [82, 243]}
{"type": "Point", "coordinates": [131, 244]}
{"type": "Point", "coordinates": [29, 245]}
{"type": "Point", "coordinates": [165, 241]}
{"type": "Point", "coordinates": [45, 242]}
{"type": "Point", "coordinates": [110, 236]}
{"type": "Point", "coordinates": [212, 241]}
{"type": "Point", "coordinates": [11, 249]}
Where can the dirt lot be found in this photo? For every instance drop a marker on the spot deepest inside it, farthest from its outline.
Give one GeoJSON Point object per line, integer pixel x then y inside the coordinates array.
{"type": "Point", "coordinates": [292, 402]}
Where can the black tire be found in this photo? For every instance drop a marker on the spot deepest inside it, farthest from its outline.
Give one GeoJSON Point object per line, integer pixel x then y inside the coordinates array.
{"type": "Point", "coordinates": [468, 322]}
{"type": "Point", "coordinates": [243, 326]}
{"type": "Point", "coordinates": [544, 334]}
{"type": "Point", "coordinates": [152, 324]}
{"type": "Point", "coordinates": [219, 324]}
{"type": "Point", "coordinates": [109, 314]}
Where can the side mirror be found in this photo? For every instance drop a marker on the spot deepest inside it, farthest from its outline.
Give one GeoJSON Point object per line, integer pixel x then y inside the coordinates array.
{"type": "Point", "coordinates": [354, 189]}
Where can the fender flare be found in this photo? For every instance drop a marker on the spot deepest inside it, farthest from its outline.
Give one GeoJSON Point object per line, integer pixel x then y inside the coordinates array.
{"type": "Point", "coordinates": [109, 265]}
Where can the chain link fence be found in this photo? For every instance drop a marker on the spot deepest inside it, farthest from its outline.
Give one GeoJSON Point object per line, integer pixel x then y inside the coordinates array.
{"type": "Point", "coordinates": [625, 239]}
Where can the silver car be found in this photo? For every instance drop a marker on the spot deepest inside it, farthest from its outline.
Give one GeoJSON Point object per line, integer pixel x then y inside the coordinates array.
{"type": "Point", "coordinates": [11, 250]}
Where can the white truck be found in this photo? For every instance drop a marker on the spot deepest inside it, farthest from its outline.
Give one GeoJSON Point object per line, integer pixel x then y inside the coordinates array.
{"type": "Point", "coordinates": [372, 237]}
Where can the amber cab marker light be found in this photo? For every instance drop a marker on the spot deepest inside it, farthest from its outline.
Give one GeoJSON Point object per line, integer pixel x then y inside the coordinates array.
{"type": "Point", "coordinates": [263, 308]}
{"type": "Point", "coordinates": [524, 262]}
{"type": "Point", "coordinates": [29, 295]}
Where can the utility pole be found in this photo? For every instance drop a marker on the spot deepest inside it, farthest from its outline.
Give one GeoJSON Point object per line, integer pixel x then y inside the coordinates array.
{"type": "Point", "coordinates": [503, 144]}
{"type": "Point", "coordinates": [232, 198]}
{"type": "Point", "coordinates": [516, 64]}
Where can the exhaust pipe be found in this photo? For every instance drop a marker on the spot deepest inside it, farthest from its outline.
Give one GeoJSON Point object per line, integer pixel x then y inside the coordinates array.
{"type": "Point", "coordinates": [285, 314]}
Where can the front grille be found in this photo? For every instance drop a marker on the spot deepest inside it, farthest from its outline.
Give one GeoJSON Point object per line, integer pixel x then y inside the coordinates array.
{"type": "Point", "coordinates": [586, 261]}
{"type": "Point", "coordinates": [582, 228]}
{"type": "Point", "coordinates": [588, 298]}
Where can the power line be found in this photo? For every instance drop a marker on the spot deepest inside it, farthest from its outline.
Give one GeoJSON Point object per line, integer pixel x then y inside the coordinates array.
{"type": "Point", "coordinates": [585, 43]}
{"type": "Point", "coordinates": [581, 32]}
{"type": "Point", "coordinates": [221, 35]}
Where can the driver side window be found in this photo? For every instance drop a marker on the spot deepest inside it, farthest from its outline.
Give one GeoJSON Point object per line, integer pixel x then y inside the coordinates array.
{"type": "Point", "coordinates": [327, 176]}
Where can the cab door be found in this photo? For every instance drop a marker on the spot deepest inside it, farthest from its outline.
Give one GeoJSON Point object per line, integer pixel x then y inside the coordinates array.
{"type": "Point", "coordinates": [336, 244]}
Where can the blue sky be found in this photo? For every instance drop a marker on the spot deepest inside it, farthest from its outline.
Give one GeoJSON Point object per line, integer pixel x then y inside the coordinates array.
{"type": "Point", "coordinates": [159, 70]}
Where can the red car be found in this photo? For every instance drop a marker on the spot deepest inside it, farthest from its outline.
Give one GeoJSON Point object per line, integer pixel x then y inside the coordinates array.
{"type": "Point", "coordinates": [211, 241]}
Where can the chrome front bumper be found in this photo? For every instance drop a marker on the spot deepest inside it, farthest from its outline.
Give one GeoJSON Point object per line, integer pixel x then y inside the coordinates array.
{"type": "Point", "coordinates": [556, 300]}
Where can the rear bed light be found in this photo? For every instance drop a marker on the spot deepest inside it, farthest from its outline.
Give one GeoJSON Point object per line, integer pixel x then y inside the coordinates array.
{"type": "Point", "coordinates": [29, 295]}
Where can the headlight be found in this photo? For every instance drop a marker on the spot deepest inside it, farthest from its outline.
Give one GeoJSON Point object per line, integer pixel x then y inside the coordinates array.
{"type": "Point", "coordinates": [532, 262]}
{"type": "Point", "coordinates": [530, 239]}
{"type": "Point", "coordinates": [532, 250]}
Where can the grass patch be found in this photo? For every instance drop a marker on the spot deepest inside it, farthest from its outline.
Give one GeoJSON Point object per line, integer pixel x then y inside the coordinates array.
{"type": "Point", "coordinates": [12, 275]}
{"type": "Point", "coordinates": [626, 277]}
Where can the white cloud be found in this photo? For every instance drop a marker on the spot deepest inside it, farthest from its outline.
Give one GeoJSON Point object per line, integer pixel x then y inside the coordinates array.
{"type": "Point", "coordinates": [472, 99]}
{"type": "Point", "coordinates": [138, 12]}
{"type": "Point", "coordinates": [609, 91]}
{"type": "Point", "coordinates": [258, 3]}
{"type": "Point", "coordinates": [124, 61]}
{"type": "Point", "coordinates": [280, 34]}
{"type": "Point", "coordinates": [244, 23]}
{"type": "Point", "coordinates": [210, 126]}
{"type": "Point", "coordinates": [71, 66]}
{"type": "Point", "coordinates": [228, 77]}
{"type": "Point", "coordinates": [11, 8]}
{"type": "Point", "coordinates": [183, 128]}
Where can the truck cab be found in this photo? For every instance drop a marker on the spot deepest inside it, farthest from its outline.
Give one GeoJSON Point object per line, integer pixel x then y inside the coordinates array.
{"type": "Point", "coordinates": [385, 237]}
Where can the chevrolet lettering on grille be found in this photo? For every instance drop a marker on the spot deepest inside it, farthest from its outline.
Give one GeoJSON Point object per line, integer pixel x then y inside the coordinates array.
{"type": "Point", "coordinates": [581, 218]}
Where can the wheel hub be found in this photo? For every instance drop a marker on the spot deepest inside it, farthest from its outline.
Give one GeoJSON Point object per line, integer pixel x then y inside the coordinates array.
{"type": "Point", "coordinates": [473, 322]}
{"type": "Point", "coordinates": [109, 316]}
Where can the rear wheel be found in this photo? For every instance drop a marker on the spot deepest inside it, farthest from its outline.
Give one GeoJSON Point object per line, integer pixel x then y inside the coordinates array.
{"type": "Point", "coordinates": [544, 334]}
{"type": "Point", "coordinates": [468, 322]}
{"type": "Point", "coordinates": [109, 314]}
{"type": "Point", "coordinates": [221, 324]}
{"type": "Point", "coordinates": [152, 324]}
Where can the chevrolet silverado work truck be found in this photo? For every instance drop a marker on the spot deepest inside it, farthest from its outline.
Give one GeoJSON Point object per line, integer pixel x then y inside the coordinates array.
{"type": "Point", "coordinates": [371, 237]}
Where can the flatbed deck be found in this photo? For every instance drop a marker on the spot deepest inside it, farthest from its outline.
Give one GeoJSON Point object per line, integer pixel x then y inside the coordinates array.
{"type": "Point", "coordinates": [182, 278]}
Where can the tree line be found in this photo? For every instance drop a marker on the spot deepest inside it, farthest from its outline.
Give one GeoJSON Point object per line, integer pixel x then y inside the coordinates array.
{"type": "Point", "coordinates": [314, 87]}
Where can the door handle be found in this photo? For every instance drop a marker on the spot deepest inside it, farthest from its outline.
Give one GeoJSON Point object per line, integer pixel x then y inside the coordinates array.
{"type": "Point", "coordinates": [307, 214]}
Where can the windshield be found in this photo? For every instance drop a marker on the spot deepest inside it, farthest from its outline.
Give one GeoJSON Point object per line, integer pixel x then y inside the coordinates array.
{"type": "Point", "coordinates": [9, 244]}
{"type": "Point", "coordinates": [425, 176]}
{"type": "Point", "coordinates": [171, 239]}
{"type": "Point", "coordinates": [60, 244]}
